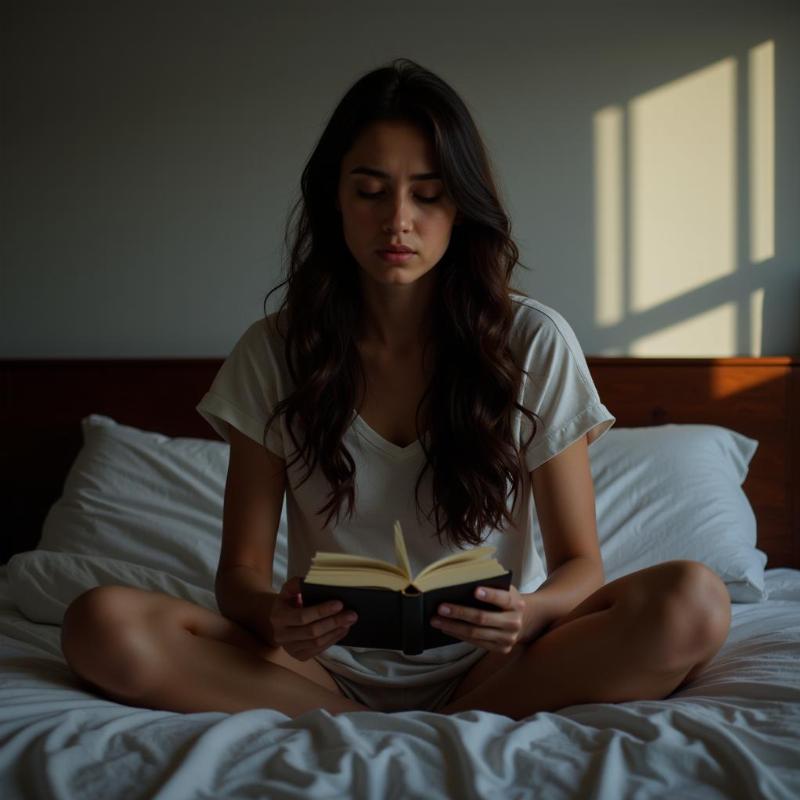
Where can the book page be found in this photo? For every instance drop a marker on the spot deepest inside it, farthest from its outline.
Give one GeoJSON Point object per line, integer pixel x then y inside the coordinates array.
{"type": "Point", "coordinates": [468, 556]}
{"type": "Point", "coordinates": [359, 577]}
{"type": "Point", "coordinates": [460, 573]}
{"type": "Point", "coordinates": [343, 569]}
{"type": "Point", "coordinates": [324, 559]}
{"type": "Point", "coordinates": [334, 569]}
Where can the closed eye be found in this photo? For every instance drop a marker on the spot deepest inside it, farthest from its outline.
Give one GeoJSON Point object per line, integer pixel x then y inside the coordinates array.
{"type": "Point", "coordinates": [372, 195]}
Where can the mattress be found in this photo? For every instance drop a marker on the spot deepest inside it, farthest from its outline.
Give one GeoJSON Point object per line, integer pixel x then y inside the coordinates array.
{"type": "Point", "coordinates": [733, 732]}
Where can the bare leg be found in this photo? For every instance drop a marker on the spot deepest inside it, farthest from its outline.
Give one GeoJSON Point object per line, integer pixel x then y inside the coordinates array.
{"type": "Point", "coordinates": [152, 650]}
{"type": "Point", "coordinates": [636, 638]}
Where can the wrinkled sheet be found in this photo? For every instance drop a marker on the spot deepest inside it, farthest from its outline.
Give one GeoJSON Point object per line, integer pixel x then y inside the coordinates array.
{"type": "Point", "coordinates": [735, 732]}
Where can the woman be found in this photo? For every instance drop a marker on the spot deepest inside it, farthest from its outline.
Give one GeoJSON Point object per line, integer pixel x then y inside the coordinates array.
{"type": "Point", "coordinates": [404, 379]}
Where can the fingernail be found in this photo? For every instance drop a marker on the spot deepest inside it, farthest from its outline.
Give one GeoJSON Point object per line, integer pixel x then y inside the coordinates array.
{"type": "Point", "coordinates": [445, 611]}
{"type": "Point", "coordinates": [481, 593]}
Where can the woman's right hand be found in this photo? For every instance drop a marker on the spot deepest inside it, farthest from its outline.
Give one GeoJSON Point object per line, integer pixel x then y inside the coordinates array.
{"type": "Point", "coordinates": [304, 632]}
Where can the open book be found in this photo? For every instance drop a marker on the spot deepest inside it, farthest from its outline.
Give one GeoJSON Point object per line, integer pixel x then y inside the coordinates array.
{"type": "Point", "coordinates": [395, 608]}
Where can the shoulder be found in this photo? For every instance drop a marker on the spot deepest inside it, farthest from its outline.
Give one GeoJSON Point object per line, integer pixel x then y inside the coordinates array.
{"type": "Point", "coordinates": [262, 336]}
{"type": "Point", "coordinates": [260, 354]}
{"type": "Point", "coordinates": [538, 330]}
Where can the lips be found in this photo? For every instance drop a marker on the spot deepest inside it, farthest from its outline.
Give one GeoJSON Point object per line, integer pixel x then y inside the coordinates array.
{"type": "Point", "coordinates": [395, 257]}
{"type": "Point", "coordinates": [396, 249]}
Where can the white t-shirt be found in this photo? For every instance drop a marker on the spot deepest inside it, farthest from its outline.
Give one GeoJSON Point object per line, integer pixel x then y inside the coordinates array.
{"type": "Point", "coordinates": [558, 388]}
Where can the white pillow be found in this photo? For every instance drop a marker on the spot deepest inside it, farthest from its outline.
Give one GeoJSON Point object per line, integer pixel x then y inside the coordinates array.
{"type": "Point", "coordinates": [147, 499]}
{"type": "Point", "coordinates": [42, 583]}
{"type": "Point", "coordinates": [143, 509]}
{"type": "Point", "coordinates": [674, 492]}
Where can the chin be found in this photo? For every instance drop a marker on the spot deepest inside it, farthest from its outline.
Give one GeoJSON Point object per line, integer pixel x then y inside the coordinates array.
{"type": "Point", "coordinates": [405, 275]}
{"type": "Point", "coordinates": [394, 274]}
{"type": "Point", "coordinates": [395, 278]}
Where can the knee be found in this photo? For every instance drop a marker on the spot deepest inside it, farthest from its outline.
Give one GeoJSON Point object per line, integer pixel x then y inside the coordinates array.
{"type": "Point", "coordinates": [102, 641]}
{"type": "Point", "coordinates": [694, 610]}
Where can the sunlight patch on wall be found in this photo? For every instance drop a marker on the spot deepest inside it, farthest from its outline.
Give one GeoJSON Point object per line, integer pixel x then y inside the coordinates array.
{"type": "Point", "coordinates": [756, 320]}
{"type": "Point", "coordinates": [707, 334]}
{"type": "Point", "coordinates": [609, 223]}
{"type": "Point", "coordinates": [761, 129]}
{"type": "Point", "coordinates": [682, 233]}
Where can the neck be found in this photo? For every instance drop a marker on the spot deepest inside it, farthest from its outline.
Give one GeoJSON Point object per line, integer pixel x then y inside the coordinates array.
{"type": "Point", "coordinates": [397, 318]}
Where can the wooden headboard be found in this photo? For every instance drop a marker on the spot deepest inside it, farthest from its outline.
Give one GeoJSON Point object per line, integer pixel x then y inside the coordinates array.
{"type": "Point", "coordinates": [759, 397]}
{"type": "Point", "coordinates": [43, 400]}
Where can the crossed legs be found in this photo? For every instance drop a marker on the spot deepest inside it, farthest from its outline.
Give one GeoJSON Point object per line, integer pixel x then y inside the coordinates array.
{"type": "Point", "coordinates": [638, 637]}
{"type": "Point", "coordinates": [153, 650]}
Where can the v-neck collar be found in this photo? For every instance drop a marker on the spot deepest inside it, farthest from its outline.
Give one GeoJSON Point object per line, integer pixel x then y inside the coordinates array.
{"type": "Point", "coordinates": [390, 448]}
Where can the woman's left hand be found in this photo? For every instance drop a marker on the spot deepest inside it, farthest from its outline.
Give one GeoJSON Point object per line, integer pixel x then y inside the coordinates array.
{"type": "Point", "coordinates": [492, 630]}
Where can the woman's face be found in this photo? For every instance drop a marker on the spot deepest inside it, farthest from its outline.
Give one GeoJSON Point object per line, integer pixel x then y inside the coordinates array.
{"type": "Point", "coordinates": [390, 195]}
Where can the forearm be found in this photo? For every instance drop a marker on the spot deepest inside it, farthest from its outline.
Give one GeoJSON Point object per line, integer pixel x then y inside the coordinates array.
{"type": "Point", "coordinates": [245, 595]}
{"type": "Point", "coordinates": [565, 588]}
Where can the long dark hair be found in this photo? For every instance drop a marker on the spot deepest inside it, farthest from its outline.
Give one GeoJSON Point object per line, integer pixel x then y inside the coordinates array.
{"type": "Point", "coordinates": [472, 396]}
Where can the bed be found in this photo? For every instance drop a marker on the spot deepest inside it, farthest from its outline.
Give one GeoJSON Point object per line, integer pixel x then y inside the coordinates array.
{"type": "Point", "coordinates": [110, 476]}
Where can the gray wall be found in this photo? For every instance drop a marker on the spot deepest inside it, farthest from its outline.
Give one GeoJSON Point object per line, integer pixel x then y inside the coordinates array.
{"type": "Point", "coordinates": [151, 152]}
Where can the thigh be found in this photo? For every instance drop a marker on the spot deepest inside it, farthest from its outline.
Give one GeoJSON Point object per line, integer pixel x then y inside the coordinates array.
{"type": "Point", "coordinates": [155, 607]}
{"type": "Point", "coordinates": [485, 668]}
{"type": "Point", "coordinates": [216, 626]}
{"type": "Point", "coordinates": [600, 600]}
{"type": "Point", "coordinates": [633, 593]}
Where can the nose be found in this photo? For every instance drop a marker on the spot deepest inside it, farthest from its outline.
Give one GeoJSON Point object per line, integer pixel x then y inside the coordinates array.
{"type": "Point", "coordinates": [398, 216]}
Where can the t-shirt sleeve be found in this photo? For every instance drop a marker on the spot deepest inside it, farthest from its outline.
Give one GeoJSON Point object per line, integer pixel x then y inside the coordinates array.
{"type": "Point", "coordinates": [560, 390]}
{"type": "Point", "coordinates": [247, 388]}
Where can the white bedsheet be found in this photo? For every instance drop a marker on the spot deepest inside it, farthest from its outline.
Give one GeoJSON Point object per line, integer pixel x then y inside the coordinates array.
{"type": "Point", "coordinates": [734, 733]}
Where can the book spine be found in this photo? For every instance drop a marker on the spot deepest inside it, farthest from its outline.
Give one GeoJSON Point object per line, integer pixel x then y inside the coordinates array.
{"type": "Point", "coordinates": [412, 623]}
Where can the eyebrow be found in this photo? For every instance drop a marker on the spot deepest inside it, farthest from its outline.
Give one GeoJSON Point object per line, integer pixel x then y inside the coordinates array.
{"type": "Point", "coordinates": [376, 173]}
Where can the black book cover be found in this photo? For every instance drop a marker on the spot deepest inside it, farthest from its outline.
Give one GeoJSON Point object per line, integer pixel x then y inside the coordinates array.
{"type": "Point", "coordinates": [399, 620]}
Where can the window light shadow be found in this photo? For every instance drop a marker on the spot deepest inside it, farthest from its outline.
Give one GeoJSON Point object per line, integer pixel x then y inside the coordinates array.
{"type": "Point", "coordinates": [675, 274]}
